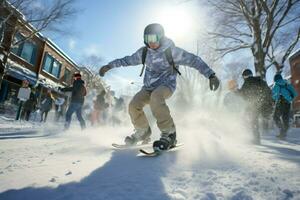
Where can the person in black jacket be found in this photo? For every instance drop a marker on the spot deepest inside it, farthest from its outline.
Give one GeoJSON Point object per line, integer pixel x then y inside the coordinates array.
{"type": "Point", "coordinates": [258, 97]}
{"type": "Point", "coordinates": [29, 106]}
{"type": "Point", "coordinates": [78, 92]}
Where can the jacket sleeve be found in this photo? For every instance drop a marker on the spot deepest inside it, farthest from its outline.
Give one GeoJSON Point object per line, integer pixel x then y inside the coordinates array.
{"type": "Point", "coordinates": [67, 89]}
{"type": "Point", "coordinates": [182, 57]}
{"type": "Point", "coordinates": [275, 92]}
{"type": "Point", "coordinates": [134, 59]}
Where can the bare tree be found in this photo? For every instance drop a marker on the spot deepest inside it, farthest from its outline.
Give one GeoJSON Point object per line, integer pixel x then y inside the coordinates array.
{"type": "Point", "coordinates": [281, 47]}
{"type": "Point", "coordinates": [34, 16]}
{"type": "Point", "coordinates": [192, 87]}
{"type": "Point", "coordinates": [93, 63]}
{"type": "Point", "coordinates": [258, 25]}
{"type": "Point", "coordinates": [189, 83]}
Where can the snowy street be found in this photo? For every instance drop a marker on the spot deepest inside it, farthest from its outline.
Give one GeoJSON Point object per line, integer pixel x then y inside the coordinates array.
{"type": "Point", "coordinates": [83, 165]}
{"type": "Point", "coordinates": [150, 100]}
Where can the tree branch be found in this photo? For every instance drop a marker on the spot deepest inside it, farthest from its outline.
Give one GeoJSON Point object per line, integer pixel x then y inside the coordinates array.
{"type": "Point", "coordinates": [291, 47]}
{"type": "Point", "coordinates": [228, 37]}
{"type": "Point", "coordinates": [269, 38]}
{"type": "Point", "coordinates": [232, 49]}
{"type": "Point", "coordinates": [289, 21]}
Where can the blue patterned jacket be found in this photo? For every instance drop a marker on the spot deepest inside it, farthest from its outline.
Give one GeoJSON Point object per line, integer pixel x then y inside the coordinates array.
{"type": "Point", "coordinates": [285, 89]}
{"type": "Point", "coordinates": [158, 71]}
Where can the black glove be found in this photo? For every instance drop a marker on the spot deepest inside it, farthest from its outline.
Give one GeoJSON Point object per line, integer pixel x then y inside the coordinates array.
{"type": "Point", "coordinates": [104, 69]}
{"type": "Point", "coordinates": [213, 82]}
{"type": "Point", "coordinates": [61, 89]}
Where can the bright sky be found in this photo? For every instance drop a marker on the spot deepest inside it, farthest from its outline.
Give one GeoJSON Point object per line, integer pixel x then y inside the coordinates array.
{"type": "Point", "coordinates": [114, 29]}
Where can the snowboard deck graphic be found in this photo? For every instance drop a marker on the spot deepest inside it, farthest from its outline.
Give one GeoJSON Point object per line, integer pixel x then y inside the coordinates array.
{"type": "Point", "coordinates": [157, 153]}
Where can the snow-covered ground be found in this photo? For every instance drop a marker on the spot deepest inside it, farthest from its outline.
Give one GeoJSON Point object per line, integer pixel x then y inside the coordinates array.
{"type": "Point", "coordinates": [216, 162]}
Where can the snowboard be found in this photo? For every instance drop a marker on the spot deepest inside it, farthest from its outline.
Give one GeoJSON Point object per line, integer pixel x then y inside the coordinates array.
{"type": "Point", "coordinates": [124, 146]}
{"type": "Point", "coordinates": [157, 153]}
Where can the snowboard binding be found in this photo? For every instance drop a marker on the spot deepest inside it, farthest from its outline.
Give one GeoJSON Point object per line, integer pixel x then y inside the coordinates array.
{"type": "Point", "coordinates": [167, 141]}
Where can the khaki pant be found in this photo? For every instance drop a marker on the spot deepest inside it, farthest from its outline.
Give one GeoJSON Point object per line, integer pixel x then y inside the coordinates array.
{"type": "Point", "coordinates": [160, 110]}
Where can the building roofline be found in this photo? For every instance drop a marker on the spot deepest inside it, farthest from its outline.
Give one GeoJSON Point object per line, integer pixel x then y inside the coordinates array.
{"type": "Point", "coordinates": [86, 69]}
{"type": "Point", "coordinates": [22, 18]}
{"type": "Point", "coordinates": [62, 53]}
{"type": "Point", "coordinates": [294, 54]}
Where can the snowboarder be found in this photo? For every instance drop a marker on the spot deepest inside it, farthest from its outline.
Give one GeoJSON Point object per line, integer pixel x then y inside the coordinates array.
{"type": "Point", "coordinates": [283, 94]}
{"type": "Point", "coordinates": [258, 97]}
{"type": "Point", "coordinates": [78, 93]}
{"type": "Point", "coordinates": [161, 58]}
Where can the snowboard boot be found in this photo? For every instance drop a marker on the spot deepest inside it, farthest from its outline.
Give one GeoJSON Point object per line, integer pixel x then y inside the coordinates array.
{"type": "Point", "coordinates": [139, 135]}
{"type": "Point", "coordinates": [166, 142]}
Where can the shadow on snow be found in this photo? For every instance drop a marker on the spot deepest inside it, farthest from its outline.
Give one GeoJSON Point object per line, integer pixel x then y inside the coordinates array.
{"type": "Point", "coordinates": [119, 178]}
{"type": "Point", "coordinates": [284, 153]}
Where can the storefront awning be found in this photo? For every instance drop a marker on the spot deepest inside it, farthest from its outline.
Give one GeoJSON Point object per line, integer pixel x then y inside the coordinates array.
{"type": "Point", "coordinates": [47, 83]}
{"type": "Point", "coordinates": [17, 71]}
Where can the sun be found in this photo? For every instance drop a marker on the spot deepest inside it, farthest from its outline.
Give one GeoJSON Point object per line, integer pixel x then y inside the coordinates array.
{"type": "Point", "coordinates": [177, 22]}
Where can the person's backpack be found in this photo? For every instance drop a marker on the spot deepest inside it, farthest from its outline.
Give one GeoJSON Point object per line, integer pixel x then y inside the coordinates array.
{"type": "Point", "coordinates": [83, 91]}
{"type": "Point", "coordinates": [169, 57]}
{"type": "Point", "coordinates": [287, 88]}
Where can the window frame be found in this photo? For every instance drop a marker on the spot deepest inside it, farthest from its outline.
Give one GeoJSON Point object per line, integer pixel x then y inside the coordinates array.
{"type": "Point", "coordinates": [65, 78]}
{"type": "Point", "coordinates": [19, 49]}
{"type": "Point", "coordinates": [53, 60]}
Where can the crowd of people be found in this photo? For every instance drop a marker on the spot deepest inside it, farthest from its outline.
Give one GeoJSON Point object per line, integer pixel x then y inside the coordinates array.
{"type": "Point", "coordinates": [261, 103]}
{"type": "Point", "coordinates": [65, 107]}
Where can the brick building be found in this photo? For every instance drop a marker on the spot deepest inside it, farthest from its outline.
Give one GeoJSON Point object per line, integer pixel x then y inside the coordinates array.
{"type": "Point", "coordinates": [35, 58]}
{"type": "Point", "coordinates": [295, 80]}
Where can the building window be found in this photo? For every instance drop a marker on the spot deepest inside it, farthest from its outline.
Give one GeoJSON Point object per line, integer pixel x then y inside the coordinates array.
{"type": "Point", "coordinates": [25, 50]}
{"type": "Point", "coordinates": [56, 68]}
{"type": "Point", "coordinates": [47, 63]}
{"type": "Point", "coordinates": [51, 65]}
{"type": "Point", "coordinates": [67, 76]}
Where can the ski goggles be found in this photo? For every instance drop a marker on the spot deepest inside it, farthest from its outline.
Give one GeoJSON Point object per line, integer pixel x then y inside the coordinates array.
{"type": "Point", "coordinates": [151, 38]}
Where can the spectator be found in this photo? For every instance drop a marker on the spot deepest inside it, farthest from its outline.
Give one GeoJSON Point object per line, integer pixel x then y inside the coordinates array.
{"type": "Point", "coordinates": [46, 105]}
{"type": "Point", "coordinates": [77, 99]}
{"type": "Point", "coordinates": [99, 106]}
{"type": "Point", "coordinates": [29, 106]}
{"type": "Point", "coordinates": [59, 104]}
{"type": "Point", "coordinates": [283, 93]}
{"type": "Point", "coordinates": [232, 100]}
{"type": "Point", "coordinates": [258, 97]}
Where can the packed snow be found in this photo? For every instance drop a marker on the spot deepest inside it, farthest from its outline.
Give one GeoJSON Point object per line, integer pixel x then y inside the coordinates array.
{"type": "Point", "coordinates": [217, 161]}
